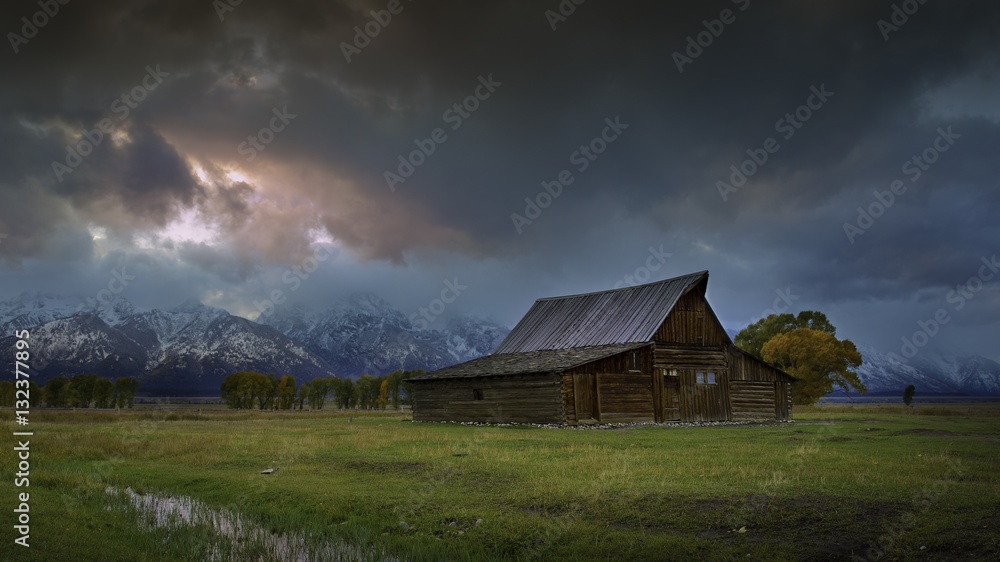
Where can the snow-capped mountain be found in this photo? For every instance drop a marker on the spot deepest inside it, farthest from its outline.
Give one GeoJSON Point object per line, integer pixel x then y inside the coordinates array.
{"type": "Point", "coordinates": [364, 334]}
{"type": "Point", "coordinates": [187, 350]}
{"type": "Point", "coordinates": [972, 374]}
{"type": "Point", "coordinates": [885, 373]}
{"type": "Point", "coordinates": [931, 372]}
{"type": "Point", "coordinates": [34, 309]}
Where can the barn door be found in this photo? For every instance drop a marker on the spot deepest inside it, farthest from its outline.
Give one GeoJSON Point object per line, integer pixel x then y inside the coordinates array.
{"type": "Point", "coordinates": [585, 394]}
{"type": "Point", "coordinates": [671, 395]}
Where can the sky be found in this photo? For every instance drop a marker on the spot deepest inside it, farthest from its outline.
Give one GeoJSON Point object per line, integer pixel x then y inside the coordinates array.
{"type": "Point", "coordinates": [833, 156]}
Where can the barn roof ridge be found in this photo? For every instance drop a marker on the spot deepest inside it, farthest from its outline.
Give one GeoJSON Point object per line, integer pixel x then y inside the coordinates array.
{"type": "Point", "coordinates": [629, 288]}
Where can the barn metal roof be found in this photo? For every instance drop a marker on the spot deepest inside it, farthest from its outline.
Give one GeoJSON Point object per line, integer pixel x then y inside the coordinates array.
{"type": "Point", "coordinates": [618, 316]}
{"type": "Point", "coordinates": [536, 362]}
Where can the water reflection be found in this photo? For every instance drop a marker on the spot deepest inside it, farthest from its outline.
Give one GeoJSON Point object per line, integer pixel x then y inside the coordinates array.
{"type": "Point", "coordinates": [240, 538]}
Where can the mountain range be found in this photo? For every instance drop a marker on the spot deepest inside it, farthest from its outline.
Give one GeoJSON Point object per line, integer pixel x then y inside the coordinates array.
{"type": "Point", "coordinates": [364, 334]}
{"type": "Point", "coordinates": [189, 349]}
{"type": "Point", "coordinates": [933, 372]}
{"type": "Point", "coordinates": [186, 350]}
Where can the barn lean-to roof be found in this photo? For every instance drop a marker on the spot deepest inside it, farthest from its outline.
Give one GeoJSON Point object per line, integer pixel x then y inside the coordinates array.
{"type": "Point", "coordinates": [618, 316]}
{"type": "Point", "coordinates": [530, 363]}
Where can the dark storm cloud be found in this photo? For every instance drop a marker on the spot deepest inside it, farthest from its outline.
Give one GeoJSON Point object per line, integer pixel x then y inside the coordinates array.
{"type": "Point", "coordinates": [154, 175]}
{"type": "Point", "coordinates": [230, 207]}
{"type": "Point", "coordinates": [655, 184]}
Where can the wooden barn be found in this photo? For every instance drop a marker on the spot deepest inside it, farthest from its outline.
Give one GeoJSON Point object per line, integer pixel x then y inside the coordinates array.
{"type": "Point", "coordinates": [653, 352]}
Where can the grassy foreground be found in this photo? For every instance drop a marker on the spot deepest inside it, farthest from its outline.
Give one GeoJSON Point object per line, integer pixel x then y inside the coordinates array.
{"type": "Point", "coordinates": [838, 482]}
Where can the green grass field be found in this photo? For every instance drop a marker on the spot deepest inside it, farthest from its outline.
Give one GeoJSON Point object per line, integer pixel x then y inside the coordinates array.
{"type": "Point", "coordinates": [838, 482]}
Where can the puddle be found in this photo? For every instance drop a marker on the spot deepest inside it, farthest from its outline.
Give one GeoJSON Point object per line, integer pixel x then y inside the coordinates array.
{"type": "Point", "coordinates": [239, 538]}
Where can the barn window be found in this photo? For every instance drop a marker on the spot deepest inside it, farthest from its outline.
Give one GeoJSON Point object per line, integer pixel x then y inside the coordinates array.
{"type": "Point", "coordinates": [699, 378]}
{"type": "Point", "coordinates": [477, 394]}
{"type": "Point", "coordinates": [709, 378]}
{"type": "Point", "coordinates": [633, 362]}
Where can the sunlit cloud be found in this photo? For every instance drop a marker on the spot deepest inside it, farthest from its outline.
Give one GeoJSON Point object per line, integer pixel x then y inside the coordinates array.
{"type": "Point", "coordinates": [120, 137]}
{"type": "Point", "coordinates": [320, 236]}
{"type": "Point", "coordinates": [199, 172]}
{"type": "Point", "coordinates": [190, 226]}
{"type": "Point", "coordinates": [97, 232]}
{"type": "Point", "coordinates": [236, 176]}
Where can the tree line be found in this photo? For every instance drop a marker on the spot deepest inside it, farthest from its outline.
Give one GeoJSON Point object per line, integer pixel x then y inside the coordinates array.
{"type": "Point", "coordinates": [78, 391]}
{"type": "Point", "coordinates": [249, 389]}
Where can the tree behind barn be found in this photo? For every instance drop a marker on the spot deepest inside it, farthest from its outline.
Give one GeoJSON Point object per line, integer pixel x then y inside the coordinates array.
{"type": "Point", "coordinates": [752, 338]}
{"type": "Point", "coordinates": [818, 360]}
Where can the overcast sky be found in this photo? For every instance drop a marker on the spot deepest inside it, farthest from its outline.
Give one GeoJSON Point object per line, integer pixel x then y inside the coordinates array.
{"type": "Point", "coordinates": [194, 149]}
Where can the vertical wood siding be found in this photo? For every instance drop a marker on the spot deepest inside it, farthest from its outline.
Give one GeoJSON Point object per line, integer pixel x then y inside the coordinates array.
{"type": "Point", "coordinates": [620, 395]}
{"type": "Point", "coordinates": [625, 397]}
{"type": "Point", "coordinates": [692, 321]}
{"type": "Point", "coordinates": [704, 402]}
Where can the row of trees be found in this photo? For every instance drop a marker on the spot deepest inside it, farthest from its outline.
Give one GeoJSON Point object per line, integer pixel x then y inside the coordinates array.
{"type": "Point", "coordinates": [8, 394]}
{"type": "Point", "coordinates": [806, 347]}
{"type": "Point", "coordinates": [249, 389]}
{"type": "Point", "coordinates": [80, 391]}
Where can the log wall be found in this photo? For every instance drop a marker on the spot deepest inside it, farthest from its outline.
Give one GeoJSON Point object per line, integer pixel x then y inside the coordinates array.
{"type": "Point", "coordinates": [752, 400]}
{"type": "Point", "coordinates": [521, 399]}
{"type": "Point", "coordinates": [685, 356]}
{"type": "Point", "coordinates": [618, 363]}
{"type": "Point", "coordinates": [758, 390]}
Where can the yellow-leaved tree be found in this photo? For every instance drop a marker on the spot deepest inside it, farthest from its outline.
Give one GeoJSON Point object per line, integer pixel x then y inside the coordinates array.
{"type": "Point", "coordinates": [286, 392]}
{"type": "Point", "coordinates": [817, 359]}
{"type": "Point", "coordinates": [383, 395]}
